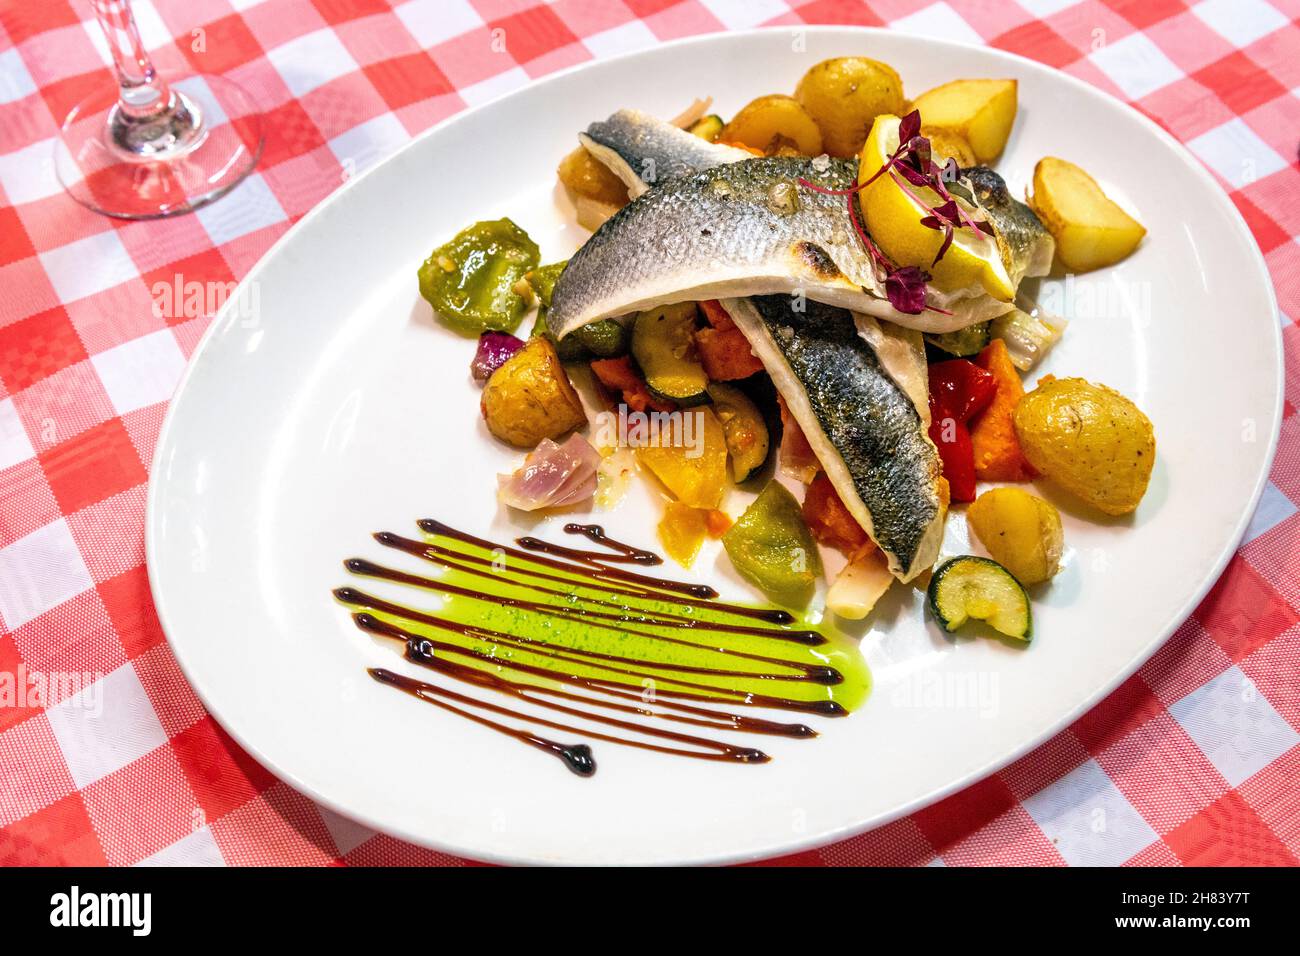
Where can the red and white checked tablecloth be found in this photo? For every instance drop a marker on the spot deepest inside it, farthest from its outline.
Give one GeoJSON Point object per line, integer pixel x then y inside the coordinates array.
{"type": "Point", "coordinates": [1194, 760]}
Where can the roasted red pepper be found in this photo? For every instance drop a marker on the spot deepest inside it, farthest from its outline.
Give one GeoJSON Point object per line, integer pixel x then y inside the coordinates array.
{"type": "Point", "coordinates": [959, 390]}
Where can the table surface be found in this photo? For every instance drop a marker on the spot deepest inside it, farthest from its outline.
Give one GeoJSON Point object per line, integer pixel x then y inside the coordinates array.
{"type": "Point", "coordinates": [1193, 760]}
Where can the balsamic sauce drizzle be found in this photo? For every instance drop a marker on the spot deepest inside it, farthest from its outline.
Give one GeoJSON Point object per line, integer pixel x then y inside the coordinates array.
{"type": "Point", "coordinates": [598, 570]}
{"type": "Point", "coordinates": [593, 532]}
{"type": "Point", "coordinates": [628, 676]}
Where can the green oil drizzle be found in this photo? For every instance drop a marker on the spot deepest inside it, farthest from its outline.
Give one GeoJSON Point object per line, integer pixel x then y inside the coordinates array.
{"type": "Point", "coordinates": [550, 624]}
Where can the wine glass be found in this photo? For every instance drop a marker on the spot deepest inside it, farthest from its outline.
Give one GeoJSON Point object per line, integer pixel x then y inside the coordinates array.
{"type": "Point", "coordinates": [152, 148]}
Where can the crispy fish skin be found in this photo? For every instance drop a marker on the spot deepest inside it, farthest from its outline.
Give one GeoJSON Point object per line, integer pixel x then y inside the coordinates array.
{"type": "Point", "coordinates": [864, 428]}
{"type": "Point", "coordinates": [643, 150]}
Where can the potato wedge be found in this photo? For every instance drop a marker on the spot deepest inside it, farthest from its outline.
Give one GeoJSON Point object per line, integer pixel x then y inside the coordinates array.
{"type": "Point", "coordinates": [980, 111]}
{"type": "Point", "coordinates": [1089, 439]}
{"type": "Point", "coordinates": [1089, 229]}
{"type": "Point", "coordinates": [584, 175]}
{"type": "Point", "coordinates": [1021, 531]}
{"type": "Point", "coordinates": [945, 143]}
{"type": "Point", "coordinates": [530, 397]}
{"type": "Point", "coordinates": [844, 96]}
{"type": "Point", "coordinates": [772, 122]}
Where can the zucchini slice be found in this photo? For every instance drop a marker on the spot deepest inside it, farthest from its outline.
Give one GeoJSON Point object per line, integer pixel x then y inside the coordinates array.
{"type": "Point", "coordinates": [743, 428]}
{"type": "Point", "coordinates": [663, 345]}
{"type": "Point", "coordinates": [707, 127]}
{"type": "Point", "coordinates": [971, 587]}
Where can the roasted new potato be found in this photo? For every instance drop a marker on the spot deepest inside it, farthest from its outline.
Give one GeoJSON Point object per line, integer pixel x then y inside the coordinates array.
{"type": "Point", "coordinates": [945, 143]}
{"type": "Point", "coordinates": [1021, 531]}
{"type": "Point", "coordinates": [980, 111]}
{"type": "Point", "coordinates": [1089, 229]}
{"type": "Point", "coordinates": [771, 123]}
{"type": "Point", "coordinates": [845, 95]}
{"type": "Point", "coordinates": [1089, 439]}
{"type": "Point", "coordinates": [585, 176]}
{"type": "Point", "coordinates": [530, 397]}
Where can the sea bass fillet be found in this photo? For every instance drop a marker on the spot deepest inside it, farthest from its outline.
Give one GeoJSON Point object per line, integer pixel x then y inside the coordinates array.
{"type": "Point", "coordinates": [643, 150]}
{"type": "Point", "coordinates": [745, 228]}
{"type": "Point", "coordinates": [737, 225]}
{"type": "Point", "coordinates": [864, 428]}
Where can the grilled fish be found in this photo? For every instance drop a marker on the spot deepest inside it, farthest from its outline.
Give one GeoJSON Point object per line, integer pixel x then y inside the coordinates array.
{"type": "Point", "coordinates": [744, 228]}
{"type": "Point", "coordinates": [863, 427]}
{"type": "Point", "coordinates": [698, 241]}
{"type": "Point", "coordinates": [643, 150]}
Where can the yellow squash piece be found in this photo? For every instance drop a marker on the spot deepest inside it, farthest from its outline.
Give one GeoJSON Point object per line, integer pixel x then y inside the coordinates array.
{"type": "Point", "coordinates": [1021, 531]}
{"type": "Point", "coordinates": [530, 397]}
{"type": "Point", "coordinates": [1090, 440]}
{"type": "Point", "coordinates": [980, 111]}
{"type": "Point", "coordinates": [689, 457]}
{"type": "Point", "coordinates": [1090, 230]}
{"type": "Point", "coordinates": [682, 530]}
{"type": "Point", "coordinates": [845, 95]}
{"type": "Point", "coordinates": [894, 220]}
{"type": "Point", "coordinates": [770, 122]}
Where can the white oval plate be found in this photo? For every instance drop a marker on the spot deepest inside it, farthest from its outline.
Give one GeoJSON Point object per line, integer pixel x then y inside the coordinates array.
{"type": "Point", "coordinates": [340, 408]}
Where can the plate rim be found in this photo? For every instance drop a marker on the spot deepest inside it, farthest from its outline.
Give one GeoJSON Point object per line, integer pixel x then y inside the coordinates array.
{"type": "Point", "coordinates": [229, 311]}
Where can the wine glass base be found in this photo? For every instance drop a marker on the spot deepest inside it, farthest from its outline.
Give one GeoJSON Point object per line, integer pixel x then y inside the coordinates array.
{"type": "Point", "coordinates": [185, 157]}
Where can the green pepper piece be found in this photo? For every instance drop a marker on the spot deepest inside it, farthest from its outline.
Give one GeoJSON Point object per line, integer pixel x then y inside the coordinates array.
{"type": "Point", "coordinates": [603, 338]}
{"type": "Point", "coordinates": [543, 280]}
{"type": "Point", "coordinates": [570, 350]}
{"type": "Point", "coordinates": [470, 280]}
{"type": "Point", "coordinates": [771, 546]}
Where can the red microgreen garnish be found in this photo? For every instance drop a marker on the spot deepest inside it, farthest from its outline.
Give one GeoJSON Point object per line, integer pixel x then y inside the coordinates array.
{"type": "Point", "coordinates": [906, 289]}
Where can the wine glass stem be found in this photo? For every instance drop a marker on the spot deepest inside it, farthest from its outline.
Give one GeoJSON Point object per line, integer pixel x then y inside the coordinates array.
{"type": "Point", "coordinates": [141, 91]}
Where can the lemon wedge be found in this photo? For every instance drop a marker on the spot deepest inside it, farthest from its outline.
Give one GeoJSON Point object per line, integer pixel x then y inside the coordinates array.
{"type": "Point", "coordinates": [894, 221]}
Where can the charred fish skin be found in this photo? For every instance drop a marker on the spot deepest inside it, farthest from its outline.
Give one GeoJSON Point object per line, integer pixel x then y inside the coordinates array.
{"type": "Point", "coordinates": [744, 228]}
{"type": "Point", "coordinates": [865, 429]}
{"type": "Point", "coordinates": [1026, 245]}
{"type": "Point", "coordinates": [643, 150]}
